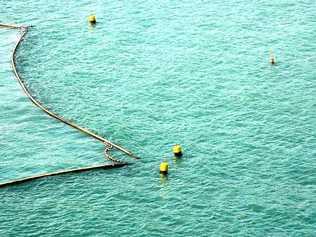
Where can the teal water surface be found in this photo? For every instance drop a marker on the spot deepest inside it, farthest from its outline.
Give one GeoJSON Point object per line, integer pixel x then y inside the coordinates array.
{"type": "Point", "coordinates": [149, 75]}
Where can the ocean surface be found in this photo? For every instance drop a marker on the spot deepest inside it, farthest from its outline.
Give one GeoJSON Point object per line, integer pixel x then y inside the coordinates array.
{"type": "Point", "coordinates": [151, 74]}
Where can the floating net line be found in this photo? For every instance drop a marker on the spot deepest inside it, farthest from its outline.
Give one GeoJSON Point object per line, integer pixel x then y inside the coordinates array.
{"type": "Point", "coordinates": [108, 144]}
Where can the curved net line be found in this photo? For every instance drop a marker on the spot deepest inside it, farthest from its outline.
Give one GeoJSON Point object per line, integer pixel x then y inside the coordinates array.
{"type": "Point", "coordinates": [108, 144]}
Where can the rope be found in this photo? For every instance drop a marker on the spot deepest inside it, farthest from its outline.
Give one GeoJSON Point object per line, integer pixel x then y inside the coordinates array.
{"type": "Point", "coordinates": [9, 26]}
{"type": "Point", "coordinates": [107, 155]}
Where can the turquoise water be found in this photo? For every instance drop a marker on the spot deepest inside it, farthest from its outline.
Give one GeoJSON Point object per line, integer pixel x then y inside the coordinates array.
{"type": "Point", "coordinates": [149, 75]}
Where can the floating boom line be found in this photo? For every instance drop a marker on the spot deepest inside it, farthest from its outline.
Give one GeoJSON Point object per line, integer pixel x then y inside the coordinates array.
{"type": "Point", "coordinates": [82, 169]}
{"type": "Point", "coordinates": [108, 144]}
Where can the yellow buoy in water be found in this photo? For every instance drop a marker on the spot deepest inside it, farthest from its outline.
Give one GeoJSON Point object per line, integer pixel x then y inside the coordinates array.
{"type": "Point", "coordinates": [164, 166]}
{"type": "Point", "coordinates": [92, 19]}
{"type": "Point", "coordinates": [272, 58]}
{"type": "Point", "coordinates": [177, 150]}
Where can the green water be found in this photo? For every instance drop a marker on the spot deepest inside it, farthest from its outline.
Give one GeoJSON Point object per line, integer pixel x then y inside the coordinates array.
{"type": "Point", "coordinates": [149, 75]}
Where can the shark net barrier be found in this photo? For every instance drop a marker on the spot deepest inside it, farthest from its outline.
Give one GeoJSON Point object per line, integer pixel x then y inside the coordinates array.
{"type": "Point", "coordinates": [108, 145]}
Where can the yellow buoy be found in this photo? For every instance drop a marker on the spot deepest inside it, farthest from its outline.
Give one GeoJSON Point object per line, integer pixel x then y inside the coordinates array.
{"type": "Point", "coordinates": [164, 166]}
{"type": "Point", "coordinates": [92, 19]}
{"type": "Point", "coordinates": [272, 58]}
{"type": "Point", "coordinates": [177, 150]}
